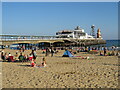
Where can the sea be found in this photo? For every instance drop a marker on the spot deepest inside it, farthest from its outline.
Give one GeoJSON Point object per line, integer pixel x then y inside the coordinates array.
{"type": "Point", "coordinates": [110, 43]}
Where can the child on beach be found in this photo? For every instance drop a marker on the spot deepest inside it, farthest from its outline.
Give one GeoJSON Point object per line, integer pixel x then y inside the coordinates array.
{"type": "Point", "coordinates": [44, 62]}
{"type": "Point", "coordinates": [30, 57]}
{"type": "Point", "coordinates": [16, 55]}
{"type": "Point", "coordinates": [33, 63]}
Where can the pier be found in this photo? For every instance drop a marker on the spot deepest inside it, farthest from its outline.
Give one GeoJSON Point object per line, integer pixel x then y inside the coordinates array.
{"type": "Point", "coordinates": [52, 40]}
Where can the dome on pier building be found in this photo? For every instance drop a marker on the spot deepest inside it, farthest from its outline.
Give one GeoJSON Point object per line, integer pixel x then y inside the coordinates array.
{"type": "Point", "coordinates": [79, 29]}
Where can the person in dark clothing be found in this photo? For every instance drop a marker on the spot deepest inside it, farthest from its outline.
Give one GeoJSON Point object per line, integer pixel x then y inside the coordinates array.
{"type": "Point", "coordinates": [2, 56]}
{"type": "Point", "coordinates": [21, 58]}
{"type": "Point", "coordinates": [47, 51]}
{"type": "Point", "coordinates": [34, 55]}
{"type": "Point", "coordinates": [105, 51]}
{"type": "Point", "coordinates": [52, 52]}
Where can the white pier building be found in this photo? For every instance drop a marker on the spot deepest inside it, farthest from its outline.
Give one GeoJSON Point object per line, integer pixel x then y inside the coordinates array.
{"type": "Point", "coordinates": [77, 33]}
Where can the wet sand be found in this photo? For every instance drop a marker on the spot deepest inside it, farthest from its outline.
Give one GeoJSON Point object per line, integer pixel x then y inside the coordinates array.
{"type": "Point", "coordinates": [62, 72]}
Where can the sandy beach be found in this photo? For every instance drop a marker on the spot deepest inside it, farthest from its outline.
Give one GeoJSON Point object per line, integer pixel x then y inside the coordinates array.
{"type": "Point", "coordinates": [62, 72]}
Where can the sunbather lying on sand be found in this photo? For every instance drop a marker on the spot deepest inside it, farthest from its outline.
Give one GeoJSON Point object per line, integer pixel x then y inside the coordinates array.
{"type": "Point", "coordinates": [33, 64]}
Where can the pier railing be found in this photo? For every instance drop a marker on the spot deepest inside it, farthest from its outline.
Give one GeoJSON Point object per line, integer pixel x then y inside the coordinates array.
{"type": "Point", "coordinates": [8, 39]}
{"type": "Point", "coordinates": [16, 37]}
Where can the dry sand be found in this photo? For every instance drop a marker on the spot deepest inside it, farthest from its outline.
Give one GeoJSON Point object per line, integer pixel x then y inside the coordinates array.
{"type": "Point", "coordinates": [62, 72]}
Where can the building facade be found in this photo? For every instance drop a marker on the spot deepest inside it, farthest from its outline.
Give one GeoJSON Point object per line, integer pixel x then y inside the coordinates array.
{"type": "Point", "coordinates": [77, 33]}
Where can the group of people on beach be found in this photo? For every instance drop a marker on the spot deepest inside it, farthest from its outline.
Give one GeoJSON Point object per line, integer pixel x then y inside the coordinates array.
{"type": "Point", "coordinates": [104, 51]}
{"type": "Point", "coordinates": [22, 58]}
{"type": "Point", "coordinates": [32, 56]}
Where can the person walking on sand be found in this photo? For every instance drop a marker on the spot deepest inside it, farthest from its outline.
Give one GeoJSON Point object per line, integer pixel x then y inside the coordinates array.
{"type": "Point", "coordinates": [47, 51]}
{"type": "Point", "coordinates": [52, 51]}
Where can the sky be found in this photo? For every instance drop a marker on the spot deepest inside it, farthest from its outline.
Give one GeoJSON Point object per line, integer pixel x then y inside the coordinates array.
{"type": "Point", "coordinates": [60, 0]}
{"type": "Point", "coordinates": [0, 17]}
{"type": "Point", "coordinates": [46, 18]}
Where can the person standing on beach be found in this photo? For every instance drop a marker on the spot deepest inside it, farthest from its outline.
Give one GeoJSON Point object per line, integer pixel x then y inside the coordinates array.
{"type": "Point", "coordinates": [34, 55]}
{"type": "Point", "coordinates": [47, 51]}
{"type": "Point", "coordinates": [105, 51]}
{"type": "Point", "coordinates": [52, 51]}
{"type": "Point", "coordinates": [23, 48]}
